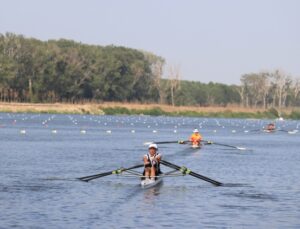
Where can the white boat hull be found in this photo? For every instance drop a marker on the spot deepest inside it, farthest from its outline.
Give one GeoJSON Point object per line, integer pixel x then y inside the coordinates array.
{"type": "Point", "coordinates": [195, 146]}
{"type": "Point", "coordinates": [148, 183]}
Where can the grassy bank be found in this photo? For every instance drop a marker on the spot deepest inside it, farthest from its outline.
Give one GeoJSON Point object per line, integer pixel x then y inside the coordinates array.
{"type": "Point", "coordinates": [147, 109]}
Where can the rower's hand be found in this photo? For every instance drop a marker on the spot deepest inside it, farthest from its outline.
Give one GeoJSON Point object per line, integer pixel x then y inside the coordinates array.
{"type": "Point", "coordinates": [154, 162]}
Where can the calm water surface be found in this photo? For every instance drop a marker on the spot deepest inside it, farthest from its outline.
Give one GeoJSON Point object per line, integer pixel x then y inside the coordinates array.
{"type": "Point", "coordinates": [42, 155]}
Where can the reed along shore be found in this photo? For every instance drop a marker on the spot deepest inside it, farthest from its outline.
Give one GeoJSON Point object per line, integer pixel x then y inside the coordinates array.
{"type": "Point", "coordinates": [114, 108]}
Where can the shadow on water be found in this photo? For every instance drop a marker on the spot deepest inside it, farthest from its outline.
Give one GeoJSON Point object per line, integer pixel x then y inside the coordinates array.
{"type": "Point", "coordinates": [238, 207]}
{"type": "Point", "coordinates": [59, 179]}
{"type": "Point", "coordinates": [248, 193]}
{"type": "Point", "coordinates": [236, 185]}
{"type": "Point", "coordinates": [129, 192]}
{"type": "Point", "coordinates": [28, 187]}
{"type": "Point", "coordinates": [252, 195]}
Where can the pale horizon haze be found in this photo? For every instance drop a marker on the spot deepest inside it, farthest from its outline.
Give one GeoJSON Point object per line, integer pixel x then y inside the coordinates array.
{"type": "Point", "coordinates": [213, 40]}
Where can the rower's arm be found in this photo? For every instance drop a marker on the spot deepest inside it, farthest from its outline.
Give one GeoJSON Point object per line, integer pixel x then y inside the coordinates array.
{"type": "Point", "coordinates": [146, 162]}
{"type": "Point", "coordinates": [158, 158]}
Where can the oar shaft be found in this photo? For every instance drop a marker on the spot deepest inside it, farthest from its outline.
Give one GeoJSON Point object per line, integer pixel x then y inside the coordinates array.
{"type": "Point", "coordinates": [118, 171]}
{"type": "Point", "coordinates": [205, 178]}
{"type": "Point", "coordinates": [220, 144]}
{"type": "Point", "coordinates": [168, 142]}
{"type": "Point", "coordinates": [199, 176]}
{"type": "Point", "coordinates": [86, 178]}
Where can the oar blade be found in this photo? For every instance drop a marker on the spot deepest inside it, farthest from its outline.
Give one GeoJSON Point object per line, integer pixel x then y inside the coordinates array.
{"type": "Point", "coordinates": [147, 143]}
{"type": "Point", "coordinates": [92, 177]}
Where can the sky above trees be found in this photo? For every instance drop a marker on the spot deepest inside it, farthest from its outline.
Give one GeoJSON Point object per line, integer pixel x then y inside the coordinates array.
{"type": "Point", "coordinates": [215, 41]}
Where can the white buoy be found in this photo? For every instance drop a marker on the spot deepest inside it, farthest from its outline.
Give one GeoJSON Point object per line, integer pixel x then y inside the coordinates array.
{"type": "Point", "coordinates": [108, 131]}
{"type": "Point", "coordinates": [83, 131]}
{"type": "Point", "coordinates": [154, 131]}
{"type": "Point", "coordinates": [233, 131]}
{"type": "Point", "coordinates": [175, 131]}
{"type": "Point", "coordinates": [133, 131]}
{"type": "Point", "coordinates": [54, 131]}
{"type": "Point", "coordinates": [22, 131]}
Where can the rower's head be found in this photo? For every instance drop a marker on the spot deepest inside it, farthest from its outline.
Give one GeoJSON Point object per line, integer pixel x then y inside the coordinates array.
{"type": "Point", "coordinates": [152, 148]}
{"type": "Point", "coordinates": [196, 131]}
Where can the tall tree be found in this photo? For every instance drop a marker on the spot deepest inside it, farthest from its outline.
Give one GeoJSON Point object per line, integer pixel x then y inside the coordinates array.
{"type": "Point", "coordinates": [174, 80]}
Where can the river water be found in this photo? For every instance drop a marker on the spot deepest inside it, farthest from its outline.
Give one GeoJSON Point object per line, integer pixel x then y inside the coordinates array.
{"type": "Point", "coordinates": [42, 155]}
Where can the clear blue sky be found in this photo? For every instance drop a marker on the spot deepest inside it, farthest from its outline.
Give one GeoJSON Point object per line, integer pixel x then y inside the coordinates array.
{"type": "Point", "coordinates": [210, 40]}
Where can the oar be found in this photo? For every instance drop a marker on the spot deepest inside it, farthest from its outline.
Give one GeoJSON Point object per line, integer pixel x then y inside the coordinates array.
{"type": "Point", "coordinates": [289, 131]}
{"type": "Point", "coordinates": [256, 130]}
{"type": "Point", "coordinates": [167, 142]}
{"type": "Point", "coordinates": [220, 144]}
{"type": "Point", "coordinates": [117, 171]}
{"type": "Point", "coordinates": [185, 170]}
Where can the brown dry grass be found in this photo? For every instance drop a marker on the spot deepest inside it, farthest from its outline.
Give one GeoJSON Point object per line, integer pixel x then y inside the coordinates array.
{"type": "Point", "coordinates": [51, 108]}
{"type": "Point", "coordinates": [169, 108]}
{"type": "Point", "coordinates": [94, 108]}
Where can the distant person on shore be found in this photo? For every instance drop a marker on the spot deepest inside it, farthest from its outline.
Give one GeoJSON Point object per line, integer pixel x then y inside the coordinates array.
{"type": "Point", "coordinates": [195, 138]}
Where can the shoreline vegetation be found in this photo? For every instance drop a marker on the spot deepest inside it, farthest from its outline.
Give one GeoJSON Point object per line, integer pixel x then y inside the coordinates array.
{"type": "Point", "coordinates": [114, 108]}
{"type": "Point", "coordinates": [59, 71]}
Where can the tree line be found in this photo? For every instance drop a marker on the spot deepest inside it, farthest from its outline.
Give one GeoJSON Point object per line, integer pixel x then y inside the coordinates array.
{"type": "Point", "coordinates": [269, 89]}
{"type": "Point", "coordinates": [67, 71]}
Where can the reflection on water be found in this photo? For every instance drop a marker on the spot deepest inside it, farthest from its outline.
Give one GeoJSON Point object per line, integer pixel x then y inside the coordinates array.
{"type": "Point", "coordinates": [150, 193]}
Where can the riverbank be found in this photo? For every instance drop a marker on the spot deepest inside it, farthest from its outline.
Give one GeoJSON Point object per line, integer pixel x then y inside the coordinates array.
{"type": "Point", "coordinates": [146, 109]}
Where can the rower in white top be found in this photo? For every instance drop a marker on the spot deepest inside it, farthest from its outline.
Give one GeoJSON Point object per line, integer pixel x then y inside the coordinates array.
{"type": "Point", "coordinates": [151, 166]}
